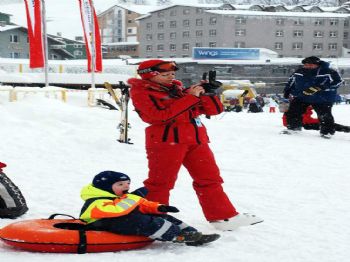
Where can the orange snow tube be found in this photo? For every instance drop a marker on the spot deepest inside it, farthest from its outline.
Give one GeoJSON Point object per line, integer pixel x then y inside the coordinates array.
{"type": "Point", "coordinates": [66, 236]}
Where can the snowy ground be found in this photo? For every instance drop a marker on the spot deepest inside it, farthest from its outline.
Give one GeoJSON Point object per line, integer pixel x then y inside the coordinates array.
{"type": "Point", "coordinates": [298, 184]}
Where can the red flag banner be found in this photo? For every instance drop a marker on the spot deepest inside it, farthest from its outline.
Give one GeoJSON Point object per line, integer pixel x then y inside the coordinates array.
{"type": "Point", "coordinates": [87, 11]}
{"type": "Point", "coordinates": [36, 52]}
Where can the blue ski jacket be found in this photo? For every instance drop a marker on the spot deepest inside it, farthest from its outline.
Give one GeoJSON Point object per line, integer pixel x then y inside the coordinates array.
{"type": "Point", "coordinates": [323, 77]}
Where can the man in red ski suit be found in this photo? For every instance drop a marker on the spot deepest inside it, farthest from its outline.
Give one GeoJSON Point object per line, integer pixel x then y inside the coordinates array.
{"type": "Point", "coordinates": [175, 136]}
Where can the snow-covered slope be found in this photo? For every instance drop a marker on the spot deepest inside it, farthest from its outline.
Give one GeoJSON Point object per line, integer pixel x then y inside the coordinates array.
{"type": "Point", "coordinates": [298, 184]}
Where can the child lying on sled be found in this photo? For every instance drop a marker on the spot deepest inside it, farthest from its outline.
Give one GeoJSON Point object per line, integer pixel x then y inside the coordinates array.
{"type": "Point", "coordinates": [110, 207]}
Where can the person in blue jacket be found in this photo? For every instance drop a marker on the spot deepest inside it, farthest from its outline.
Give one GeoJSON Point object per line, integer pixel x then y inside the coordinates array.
{"type": "Point", "coordinates": [315, 84]}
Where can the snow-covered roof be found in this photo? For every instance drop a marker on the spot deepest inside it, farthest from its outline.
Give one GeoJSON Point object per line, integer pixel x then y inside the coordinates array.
{"type": "Point", "coordinates": [9, 27]}
{"type": "Point", "coordinates": [285, 14]}
{"type": "Point", "coordinates": [140, 9]}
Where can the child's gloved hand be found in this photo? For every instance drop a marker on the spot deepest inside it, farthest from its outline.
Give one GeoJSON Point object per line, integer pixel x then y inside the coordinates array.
{"type": "Point", "coordinates": [164, 208]}
{"type": "Point", "coordinates": [311, 90]}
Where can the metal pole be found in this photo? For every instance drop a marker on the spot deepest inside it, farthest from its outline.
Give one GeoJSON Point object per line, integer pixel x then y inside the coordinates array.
{"type": "Point", "coordinates": [93, 50]}
{"type": "Point", "coordinates": [45, 44]}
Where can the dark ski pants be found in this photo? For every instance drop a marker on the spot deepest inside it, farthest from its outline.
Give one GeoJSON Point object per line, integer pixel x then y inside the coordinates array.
{"type": "Point", "coordinates": [164, 163]}
{"type": "Point", "coordinates": [160, 227]}
{"type": "Point", "coordinates": [324, 113]}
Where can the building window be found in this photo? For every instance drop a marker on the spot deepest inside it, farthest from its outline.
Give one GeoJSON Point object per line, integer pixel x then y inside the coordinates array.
{"type": "Point", "coordinates": [319, 22]}
{"type": "Point", "coordinates": [212, 32]}
{"type": "Point", "coordinates": [298, 33]}
{"type": "Point", "coordinates": [160, 25]}
{"type": "Point", "coordinates": [212, 44]}
{"type": "Point", "coordinates": [172, 47]}
{"type": "Point", "coordinates": [129, 21]}
{"type": "Point", "coordinates": [160, 48]}
{"type": "Point", "coordinates": [148, 48]}
{"type": "Point", "coordinates": [160, 36]}
{"type": "Point", "coordinates": [198, 44]}
{"type": "Point", "coordinates": [279, 33]}
{"type": "Point", "coordinates": [346, 35]}
{"type": "Point", "coordinates": [240, 32]}
{"type": "Point", "coordinates": [172, 24]}
{"type": "Point", "coordinates": [78, 53]}
{"type": "Point", "coordinates": [279, 21]}
{"type": "Point", "coordinates": [333, 22]}
{"type": "Point", "coordinates": [54, 56]}
{"type": "Point", "coordinates": [78, 46]}
{"type": "Point", "coordinates": [318, 34]}
{"type": "Point", "coordinates": [186, 23]}
{"type": "Point", "coordinates": [173, 12]}
{"type": "Point", "coordinates": [129, 30]}
{"type": "Point", "coordinates": [297, 46]}
{"type": "Point", "coordinates": [173, 35]}
{"type": "Point", "coordinates": [149, 26]}
{"type": "Point", "coordinates": [186, 34]}
{"type": "Point", "coordinates": [278, 46]}
{"type": "Point", "coordinates": [333, 46]}
{"type": "Point", "coordinates": [148, 37]}
{"type": "Point", "coordinates": [346, 23]}
{"type": "Point", "coordinates": [239, 45]}
{"type": "Point", "coordinates": [15, 55]}
{"type": "Point", "coordinates": [199, 22]}
{"type": "Point", "coordinates": [199, 10]}
{"type": "Point", "coordinates": [129, 12]}
{"type": "Point", "coordinates": [186, 47]}
{"type": "Point", "coordinates": [240, 20]}
{"type": "Point", "coordinates": [14, 39]}
{"type": "Point", "coordinates": [317, 46]}
{"type": "Point", "coordinates": [298, 22]}
{"type": "Point", "coordinates": [186, 11]}
{"type": "Point", "coordinates": [212, 21]}
{"type": "Point", "coordinates": [333, 34]}
{"type": "Point", "coordinates": [199, 33]}
{"type": "Point", "coordinates": [160, 14]}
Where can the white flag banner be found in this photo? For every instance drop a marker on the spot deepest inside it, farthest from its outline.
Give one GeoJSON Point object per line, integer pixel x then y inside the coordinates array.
{"type": "Point", "coordinates": [88, 19]}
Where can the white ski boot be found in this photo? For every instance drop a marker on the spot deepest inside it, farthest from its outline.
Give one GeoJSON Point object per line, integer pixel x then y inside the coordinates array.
{"type": "Point", "coordinates": [237, 221]}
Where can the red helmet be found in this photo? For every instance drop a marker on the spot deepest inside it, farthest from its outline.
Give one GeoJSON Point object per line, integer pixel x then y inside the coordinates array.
{"type": "Point", "coordinates": [150, 68]}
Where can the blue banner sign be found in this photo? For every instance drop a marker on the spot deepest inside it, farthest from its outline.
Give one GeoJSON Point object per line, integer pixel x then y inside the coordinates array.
{"type": "Point", "coordinates": [226, 53]}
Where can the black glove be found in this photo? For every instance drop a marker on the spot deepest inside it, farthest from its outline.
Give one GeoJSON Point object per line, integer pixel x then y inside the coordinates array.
{"type": "Point", "coordinates": [311, 91]}
{"type": "Point", "coordinates": [164, 208]}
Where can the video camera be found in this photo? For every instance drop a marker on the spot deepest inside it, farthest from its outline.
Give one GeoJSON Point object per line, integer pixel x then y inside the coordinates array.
{"type": "Point", "coordinates": [212, 85]}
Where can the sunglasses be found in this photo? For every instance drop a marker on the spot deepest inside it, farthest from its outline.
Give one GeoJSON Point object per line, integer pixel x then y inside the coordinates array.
{"type": "Point", "coordinates": [162, 67]}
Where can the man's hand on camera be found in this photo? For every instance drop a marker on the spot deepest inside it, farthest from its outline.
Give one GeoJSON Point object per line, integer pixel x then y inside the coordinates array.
{"type": "Point", "coordinates": [196, 90]}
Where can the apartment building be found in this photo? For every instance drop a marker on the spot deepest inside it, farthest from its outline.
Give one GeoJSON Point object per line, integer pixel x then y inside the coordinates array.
{"type": "Point", "coordinates": [296, 31]}
{"type": "Point", "coordinates": [120, 30]}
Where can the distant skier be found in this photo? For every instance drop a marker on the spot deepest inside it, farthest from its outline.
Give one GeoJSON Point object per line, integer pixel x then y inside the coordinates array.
{"type": "Point", "coordinates": [110, 207]}
{"type": "Point", "coordinates": [313, 84]}
{"type": "Point", "coordinates": [12, 202]}
{"type": "Point", "coordinates": [176, 136]}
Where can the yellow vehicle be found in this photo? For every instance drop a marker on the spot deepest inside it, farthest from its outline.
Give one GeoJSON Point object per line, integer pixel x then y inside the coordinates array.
{"type": "Point", "coordinates": [233, 94]}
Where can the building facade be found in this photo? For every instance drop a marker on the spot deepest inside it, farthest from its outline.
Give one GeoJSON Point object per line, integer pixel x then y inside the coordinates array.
{"type": "Point", "coordinates": [120, 29]}
{"type": "Point", "coordinates": [290, 31]}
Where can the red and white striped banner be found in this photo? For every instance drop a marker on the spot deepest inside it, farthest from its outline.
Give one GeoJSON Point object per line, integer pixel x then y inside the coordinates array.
{"type": "Point", "coordinates": [36, 51]}
{"type": "Point", "coordinates": [86, 11]}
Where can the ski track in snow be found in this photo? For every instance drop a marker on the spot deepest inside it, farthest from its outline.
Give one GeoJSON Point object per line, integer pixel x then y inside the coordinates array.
{"type": "Point", "coordinates": [298, 183]}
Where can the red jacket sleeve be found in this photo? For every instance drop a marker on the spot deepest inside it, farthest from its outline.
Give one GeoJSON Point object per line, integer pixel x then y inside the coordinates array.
{"type": "Point", "coordinates": [211, 105]}
{"type": "Point", "coordinates": [145, 103]}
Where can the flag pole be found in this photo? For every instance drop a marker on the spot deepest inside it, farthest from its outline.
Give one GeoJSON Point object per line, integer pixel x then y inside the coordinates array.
{"type": "Point", "coordinates": [93, 46]}
{"type": "Point", "coordinates": [45, 44]}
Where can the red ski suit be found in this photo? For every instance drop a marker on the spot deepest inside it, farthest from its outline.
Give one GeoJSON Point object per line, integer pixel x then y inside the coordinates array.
{"type": "Point", "coordinates": [176, 137]}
